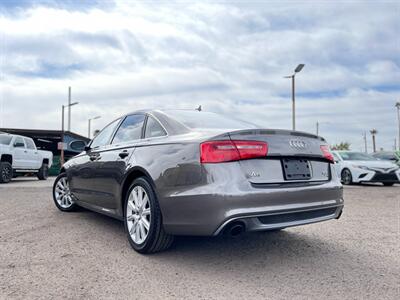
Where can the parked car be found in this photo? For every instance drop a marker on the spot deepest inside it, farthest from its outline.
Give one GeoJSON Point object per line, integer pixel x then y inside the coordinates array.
{"type": "Point", "coordinates": [19, 155]}
{"type": "Point", "coordinates": [358, 167]}
{"type": "Point", "coordinates": [393, 156]}
{"type": "Point", "coordinates": [177, 172]}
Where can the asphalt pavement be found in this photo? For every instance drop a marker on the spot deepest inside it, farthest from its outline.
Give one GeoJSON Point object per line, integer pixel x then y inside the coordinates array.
{"type": "Point", "coordinates": [47, 254]}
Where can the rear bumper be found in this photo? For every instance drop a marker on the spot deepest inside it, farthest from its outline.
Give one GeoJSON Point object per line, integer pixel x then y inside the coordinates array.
{"type": "Point", "coordinates": [198, 212]}
{"type": "Point", "coordinates": [285, 219]}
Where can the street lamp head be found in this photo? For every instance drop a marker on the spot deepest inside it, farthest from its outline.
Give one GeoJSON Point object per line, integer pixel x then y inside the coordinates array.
{"type": "Point", "coordinates": [97, 117]}
{"type": "Point", "coordinates": [73, 103]}
{"type": "Point", "coordinates": [397, 105]}
{"type": "Point", "coordinates": [299, 68]}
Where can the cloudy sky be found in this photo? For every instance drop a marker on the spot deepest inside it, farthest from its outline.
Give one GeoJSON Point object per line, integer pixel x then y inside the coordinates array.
{"type": "Point", "coordinates": [228, 56]}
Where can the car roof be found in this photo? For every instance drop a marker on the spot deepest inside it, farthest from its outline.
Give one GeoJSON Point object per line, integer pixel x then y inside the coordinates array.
{"type": "Point", "coordinates": [164, 110]}
{"type": "Point", "coordinates": [15, 135]}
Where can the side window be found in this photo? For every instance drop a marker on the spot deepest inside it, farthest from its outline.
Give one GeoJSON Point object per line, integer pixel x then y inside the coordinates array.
{"type": "Point", "coordinates": [130, 129]}
{"type": "Point", "coordinates": [29, 144]}
{"type": "Point", "coordinates": [19, 142]}
{"type": "Point", "coordinates": [153, 128]}
{"type": "Point", "coordinates": [104, 136]}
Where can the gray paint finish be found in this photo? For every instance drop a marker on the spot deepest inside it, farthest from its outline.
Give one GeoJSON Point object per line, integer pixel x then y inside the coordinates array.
{"type": "Point", "coordinates": [195, 198]}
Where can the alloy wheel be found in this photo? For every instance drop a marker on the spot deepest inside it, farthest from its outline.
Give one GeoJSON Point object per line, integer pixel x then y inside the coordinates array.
{"type": "Point", "coordinates": [138, 215]}
{"type": "Point", "coordinates": [6, 173]}
{"type": "Point", "coordinates": [62, 193]}
{"type": "Point", "coordinates": [346, 177]}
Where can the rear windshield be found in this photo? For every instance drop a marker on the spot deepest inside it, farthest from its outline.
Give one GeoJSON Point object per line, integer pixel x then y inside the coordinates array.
{"type": "Point", "coordinates": [356, 156]}
{"type": "Point", "coordinates": [208, 120]}
{"type": "Point", "coordinates": [5, 139]}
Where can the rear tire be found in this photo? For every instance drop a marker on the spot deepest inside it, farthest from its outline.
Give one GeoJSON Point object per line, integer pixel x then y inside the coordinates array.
{"type": "Point", "coordinates": [346, 177]}
{"type": "Point", "coordinates": [388, 183]}
{"type": "Point", "coordinates": [6, 172]}
{"type": "Point", "coordinates": [143, 219]}
{"type": "Point", "coordinates": [43, 172]}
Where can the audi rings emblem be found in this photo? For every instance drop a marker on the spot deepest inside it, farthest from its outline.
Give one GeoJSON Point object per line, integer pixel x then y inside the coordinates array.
{"type": "Point", "coordinates": [297, 144]}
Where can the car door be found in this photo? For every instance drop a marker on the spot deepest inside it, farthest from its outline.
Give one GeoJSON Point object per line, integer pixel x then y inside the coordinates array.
{"type": "Point", "coordinates": [33, 156]}
{"type": "Point", "coordinates": [20, 160]}
{"type": "Point", "coordinates": [112, 161]}
{"type": "Point", "coordinates": [82, 173]}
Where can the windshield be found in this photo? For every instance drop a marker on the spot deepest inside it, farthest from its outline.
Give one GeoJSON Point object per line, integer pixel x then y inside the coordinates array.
{"type": "Point", "coordinates": [386, 155]}
{"type": "Point", "coordinates": [356, 156]}
{"type": "Point", "coordinates": [208, 120]}
{"type": "Point", "coordinates": [5, 139]}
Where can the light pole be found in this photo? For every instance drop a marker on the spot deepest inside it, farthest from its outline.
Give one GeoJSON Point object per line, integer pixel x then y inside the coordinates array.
{"type": "Point", "coordinates": [318, 125]}
{"type": "Point", "coordinates": [89, 123]}
{"type": "Point", "coordinates": [297, 70]}
{"type": "Point", "coordinates": [365, 142]}
{"type": "Point", "coordinates": [69, 108]}
{"type": "Point", "coordinates": [398, 117]}
{"type": "Point", "coordinates": [62, 129]}
{"type": "Point", "coordinates": [373, 133]}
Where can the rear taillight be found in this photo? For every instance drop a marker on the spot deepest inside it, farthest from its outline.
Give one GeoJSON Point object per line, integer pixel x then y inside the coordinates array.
{"type": "Point", "coordinates": [327, 153]}
{"type": "Point", "coordinates": [223, 151]}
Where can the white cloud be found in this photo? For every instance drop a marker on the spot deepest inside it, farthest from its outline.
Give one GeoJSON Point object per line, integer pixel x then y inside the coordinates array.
{"type": "Point", "coordinates": [230, 58]}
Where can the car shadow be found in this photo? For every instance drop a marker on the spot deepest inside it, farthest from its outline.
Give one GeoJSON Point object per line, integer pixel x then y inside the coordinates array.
{"type": "Point", "coordinates": [28, 180]}
{"type": "Point", "coordinates": [247, 246]}
{"type": "Point", "coordinates": [23, 179]}
{"type": "Point", "coordinates": [265, 254]}
{"type": "Point", "coordinates": [371, 184]}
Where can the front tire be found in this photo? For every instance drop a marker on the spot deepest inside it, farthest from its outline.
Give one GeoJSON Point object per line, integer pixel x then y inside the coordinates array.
{"type": "Point", "coordinates": [143, 219]}
{"type": "Point", "coordinates": [347, 178]}
{"type": "Point", "coordinates": [43, 172]}
{"type": "Point", "coordinates": [6, 172]}
{"type": "Point", "coordinates": [62, 195]}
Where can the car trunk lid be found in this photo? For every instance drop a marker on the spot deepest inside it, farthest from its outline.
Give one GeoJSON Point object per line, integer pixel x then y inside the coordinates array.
{"type": "Point", "coordinates": [292, 156]}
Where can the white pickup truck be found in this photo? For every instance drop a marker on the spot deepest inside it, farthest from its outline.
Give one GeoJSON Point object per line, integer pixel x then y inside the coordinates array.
{"type": "Point", "coordinates": [19, 155]}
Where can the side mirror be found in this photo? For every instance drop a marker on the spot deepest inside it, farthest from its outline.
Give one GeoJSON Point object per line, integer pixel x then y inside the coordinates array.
{"type": "Point", "coordinates": [87, 148]}
{"type": "Point", "coordinates": [19, 145]}
{"type": "Point", "coordinates": [77, 145]}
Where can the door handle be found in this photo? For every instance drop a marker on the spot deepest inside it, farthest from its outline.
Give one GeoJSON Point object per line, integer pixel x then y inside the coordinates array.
{"type": "Point", "coordinates": [93, 157]}
{"type": "Point", "coordinates": [123, 154]}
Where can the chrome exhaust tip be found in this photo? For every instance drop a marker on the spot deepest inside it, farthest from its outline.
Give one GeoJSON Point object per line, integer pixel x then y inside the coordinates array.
{"type": "Point", "coordinates": [235, 229]}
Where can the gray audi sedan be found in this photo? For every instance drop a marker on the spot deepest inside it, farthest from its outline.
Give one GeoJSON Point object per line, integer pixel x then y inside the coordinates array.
{"type": "Point", "coordinates": [179, 172]}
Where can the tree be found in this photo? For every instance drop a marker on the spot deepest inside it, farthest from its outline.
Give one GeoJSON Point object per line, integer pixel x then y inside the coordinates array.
{"type": "Point", "coordinates": [341, 146]}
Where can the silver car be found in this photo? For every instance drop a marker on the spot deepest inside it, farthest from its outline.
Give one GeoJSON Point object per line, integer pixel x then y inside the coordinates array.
{"type": "Point", "coordinates": [178, 172]}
